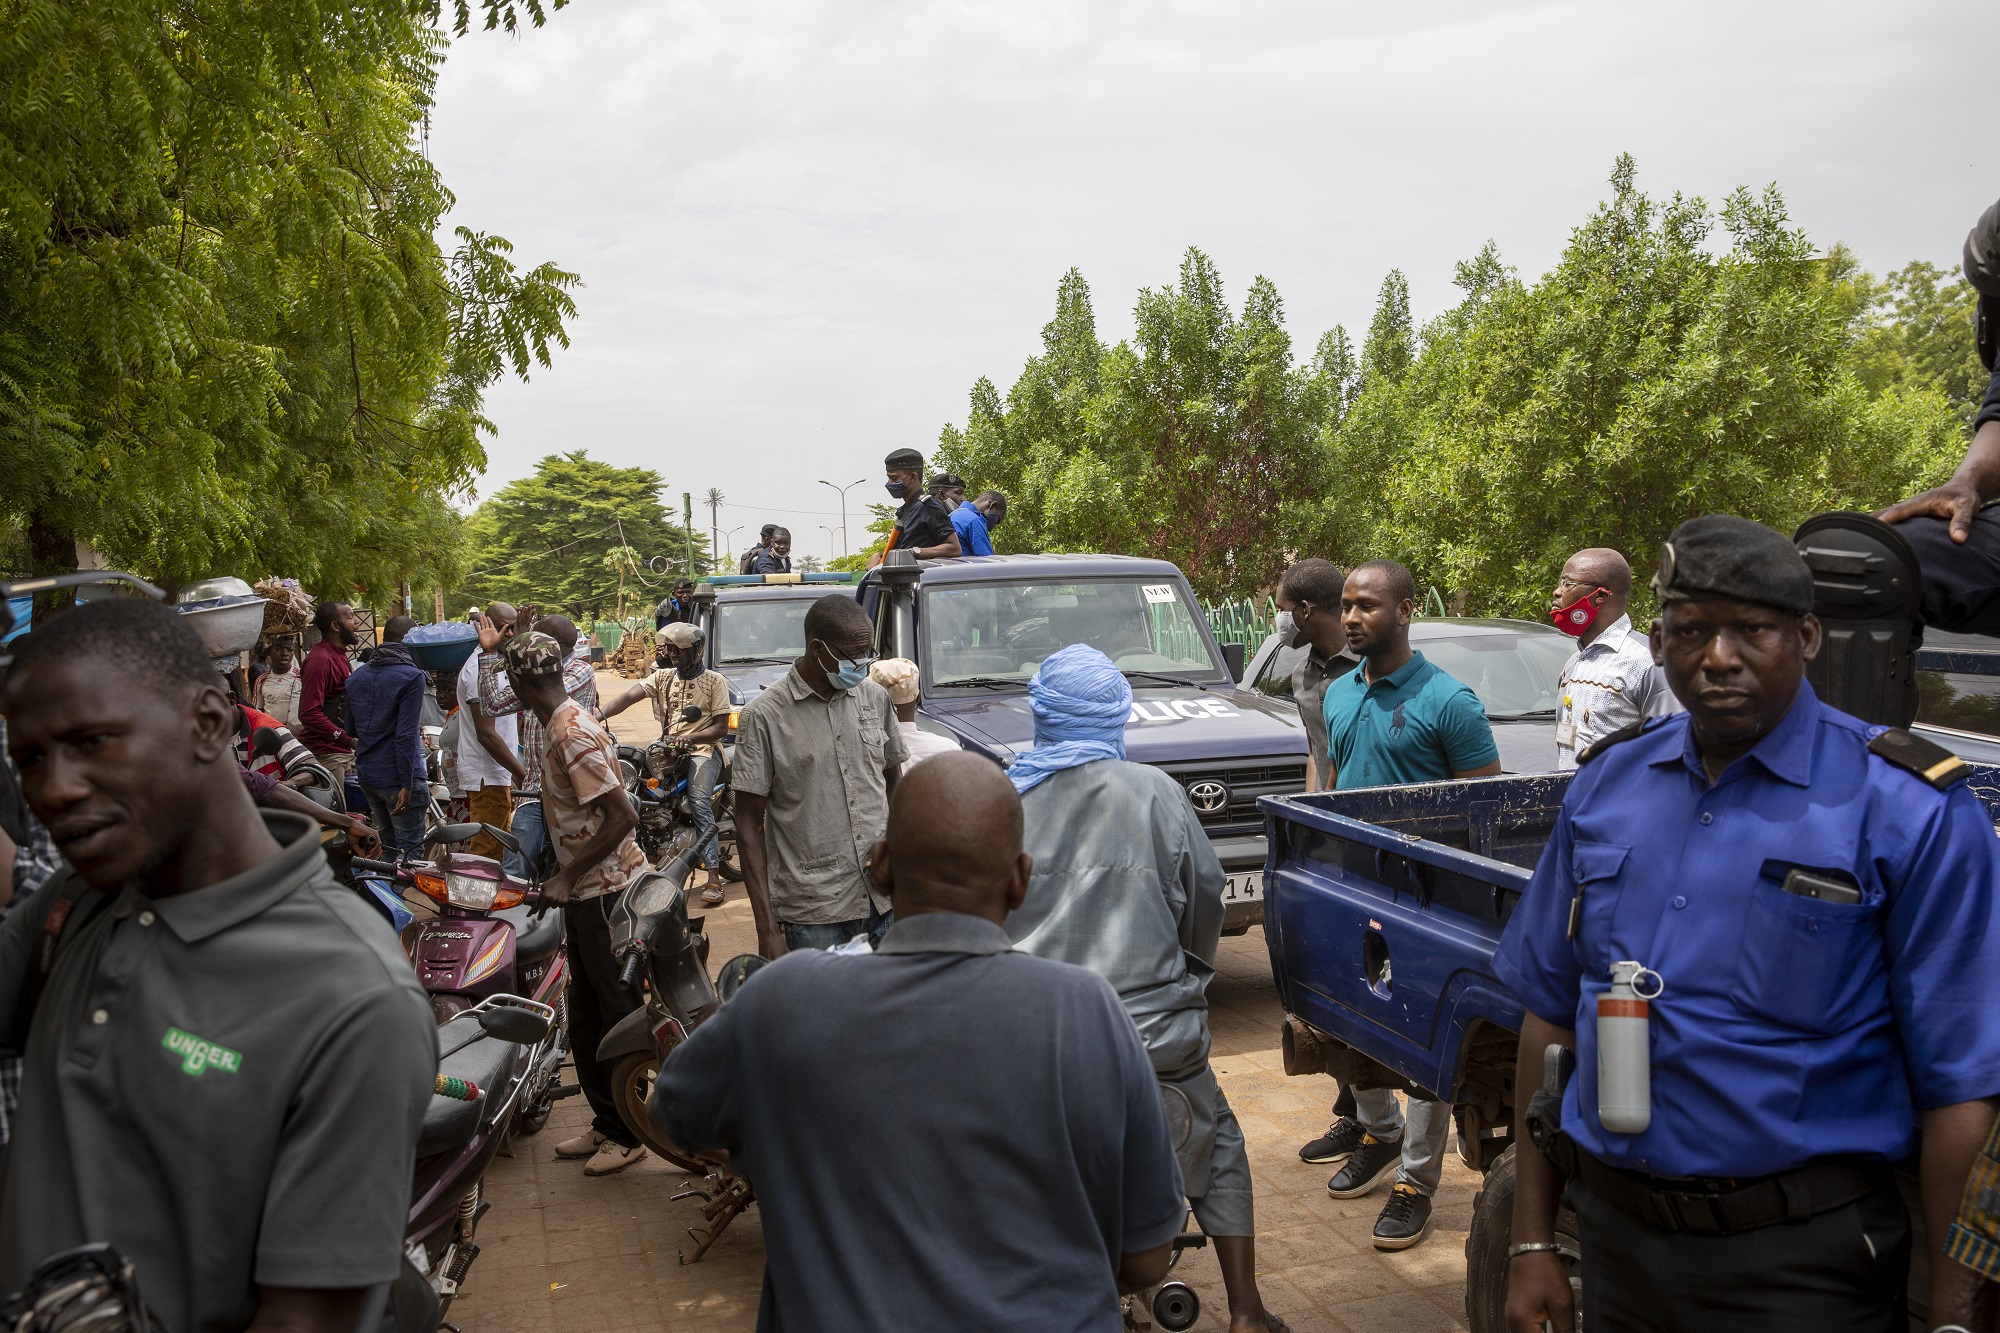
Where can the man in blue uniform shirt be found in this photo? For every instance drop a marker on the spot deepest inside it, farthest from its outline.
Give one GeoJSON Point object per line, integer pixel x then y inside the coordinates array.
{"type": "Point", "coordinates": [1816, 896]}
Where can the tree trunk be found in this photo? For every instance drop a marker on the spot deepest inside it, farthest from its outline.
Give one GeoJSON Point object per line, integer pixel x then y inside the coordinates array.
{"type": "Point", "coordinates": [51, 550]}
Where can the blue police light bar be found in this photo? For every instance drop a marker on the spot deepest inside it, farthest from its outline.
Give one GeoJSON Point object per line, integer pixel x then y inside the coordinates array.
{"type": "Point", "coordinates": [774, 580]}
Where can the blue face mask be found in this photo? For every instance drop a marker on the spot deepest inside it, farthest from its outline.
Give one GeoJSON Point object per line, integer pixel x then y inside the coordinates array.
{"type": "Point", "coordinates": [847, 673]}
{"type": "Point", "coordinates": [897, 488]}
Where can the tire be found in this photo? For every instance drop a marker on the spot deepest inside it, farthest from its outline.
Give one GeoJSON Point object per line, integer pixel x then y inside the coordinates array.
{"type": "Point", "coordinates": [631, 1081]}
{"type": "Point", "coordinates": [1486, 1250]}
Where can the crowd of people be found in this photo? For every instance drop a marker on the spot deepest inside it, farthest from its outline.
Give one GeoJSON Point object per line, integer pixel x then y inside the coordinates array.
{"type": "Point", "coordinates": [974, 1086]}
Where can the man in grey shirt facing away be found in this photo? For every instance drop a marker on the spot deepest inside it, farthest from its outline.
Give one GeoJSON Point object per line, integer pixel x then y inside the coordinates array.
{"type": "Point", "coordinates": [1127, 885]}
{"type": "Point", "coordinates": [944, 1133]}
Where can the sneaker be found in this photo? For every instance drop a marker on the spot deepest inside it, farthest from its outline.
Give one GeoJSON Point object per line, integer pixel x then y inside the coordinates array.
{"type": "Point", "coordinates": [583, 1145]}
{"type": "Point", "coordinates": [1342, 1137]}
{"type": "Point", "coordinates": [1373, 1162]}
{"type": "Point", "coordinates": [613, 1157]}
{"type": "Point", "coordinates": [1405, 1219]}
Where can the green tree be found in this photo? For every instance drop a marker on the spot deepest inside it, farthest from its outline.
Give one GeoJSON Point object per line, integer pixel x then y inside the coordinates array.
{"type": "Point", "coordinates": [229, 339]}
{"type": "Point", "coordinates": [1646, 379]}
{"type": "Point", "coordinates": [1916, 332]}
{"type": "Point", "coordinates": [1197, 442]}
{"type": "Point", "coordinates": [571, 536]}
{"type": "Point", "coordinates": [882, 519]}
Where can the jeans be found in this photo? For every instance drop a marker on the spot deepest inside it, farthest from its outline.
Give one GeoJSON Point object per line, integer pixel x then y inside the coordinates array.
{"type": "Point", "coordinates": [827, 934]}
{"type": "Point", "coordinates": [596, 1003]}
{"type": "Point", "coordinates": [531, 832]}
{"type": "Point", "coordinates": [702, 777]}
{"type": "Point", "coordinates": [400, 833]}
{"type": "Point", "coordinates": [1424, 1136]}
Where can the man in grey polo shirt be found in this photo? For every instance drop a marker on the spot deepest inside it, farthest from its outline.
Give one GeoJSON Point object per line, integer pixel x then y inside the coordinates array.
{"type": "Point", "coordinates": [817, 755]}
{"type": "Point", "coordinates": [229, 1061]}
{"type": "Point", "coordinates": [944, 1133]}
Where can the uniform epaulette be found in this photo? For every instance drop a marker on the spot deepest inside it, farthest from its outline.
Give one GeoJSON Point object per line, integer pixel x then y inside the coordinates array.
{"type": "Point", "coordinates": [1603, 743]}
{"type": "Point", "coordinates": [1931, 762]}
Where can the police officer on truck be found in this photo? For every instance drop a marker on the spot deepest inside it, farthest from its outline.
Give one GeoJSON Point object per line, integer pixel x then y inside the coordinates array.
{"type": "Point", "coordinates": [1812, 900]}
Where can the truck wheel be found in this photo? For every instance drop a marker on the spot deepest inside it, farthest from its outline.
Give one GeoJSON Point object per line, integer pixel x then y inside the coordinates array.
{"type": "Point", "coordinates": [1486, 1250]}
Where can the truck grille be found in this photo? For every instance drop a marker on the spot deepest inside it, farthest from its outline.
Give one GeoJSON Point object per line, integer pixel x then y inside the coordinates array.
{"type": "Point", "coordinates": [1241, 785]}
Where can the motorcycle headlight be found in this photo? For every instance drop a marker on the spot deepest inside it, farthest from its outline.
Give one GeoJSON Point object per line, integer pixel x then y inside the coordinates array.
{"type": "Point", "coordinates": [470, 891]}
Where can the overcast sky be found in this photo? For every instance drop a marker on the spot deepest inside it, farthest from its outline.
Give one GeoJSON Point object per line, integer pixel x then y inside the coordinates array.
{"type": "Point", "coordinates": [804, 229]}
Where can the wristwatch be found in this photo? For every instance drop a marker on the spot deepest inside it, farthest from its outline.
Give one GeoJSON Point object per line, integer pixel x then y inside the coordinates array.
{"type": "Point", "coordinates": [1532, 1247]}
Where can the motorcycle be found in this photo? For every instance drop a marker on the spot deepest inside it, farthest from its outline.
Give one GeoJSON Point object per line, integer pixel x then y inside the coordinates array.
{"type": "Point", "coordinates": [490, 938]}
{"type": "Point", "coordinates": [487, 1059]}
{"type": "Point", "coordinates": [656, 777]}
{"type": "Point", "coordinates": [653, 938]}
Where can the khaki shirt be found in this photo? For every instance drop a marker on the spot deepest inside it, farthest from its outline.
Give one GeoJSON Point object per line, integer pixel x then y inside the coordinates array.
{"type": "Point", "coordinates": [671, 693]}
{"type": "Point", "coordinates": [819, 765]}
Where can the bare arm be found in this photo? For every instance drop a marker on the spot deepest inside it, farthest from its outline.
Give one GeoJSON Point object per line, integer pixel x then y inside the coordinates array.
{"type": "Point", "coordinates": [1537, 1287]}
{"type": "Point", "coordinates": [944, 550]}
{"type": "Point", "coordinates": [756, 872]}
{"type": "Point", "coordinates": [490, 741]}
{"type": "Point", "coordinates": [1491, 770]}
{"type": "Point", "coordinates": [308, 1310]}
{"type": "Point", "coordinates": [623, 701]}
{"type": "Point", "coordinates": [7, 850]}
{"type": "Point", "coordinates": [1952, 1139]}
{"type": "Point", "coordinates": [360, 837]}
{"type": "Point", "coordinates": [1136, 1272]}
{"type": "Point", "coordinates": [1976, 481]}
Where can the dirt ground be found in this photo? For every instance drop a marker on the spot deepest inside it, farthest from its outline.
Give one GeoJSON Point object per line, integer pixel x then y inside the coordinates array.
{"type": "Point", "coordinates": [562, 1252]}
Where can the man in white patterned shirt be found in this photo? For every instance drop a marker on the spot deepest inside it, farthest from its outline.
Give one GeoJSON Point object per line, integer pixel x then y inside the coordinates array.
{"type": "Point", "coordinates": [1611, 681]}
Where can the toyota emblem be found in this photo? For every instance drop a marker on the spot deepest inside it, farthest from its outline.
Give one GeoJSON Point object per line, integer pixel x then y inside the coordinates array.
{"type": "Point", "coordinates": [1208, 798]}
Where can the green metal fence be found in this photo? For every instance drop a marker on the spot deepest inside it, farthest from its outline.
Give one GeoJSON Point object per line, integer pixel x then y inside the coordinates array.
{"type": "Point", "coordinates": [1246, 621]}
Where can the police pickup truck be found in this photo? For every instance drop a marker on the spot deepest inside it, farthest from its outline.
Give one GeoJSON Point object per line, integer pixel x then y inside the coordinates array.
{"type": "Point", "coordinates": [756, 626]}
{"type": "Point", "coordinates": [978, 628]}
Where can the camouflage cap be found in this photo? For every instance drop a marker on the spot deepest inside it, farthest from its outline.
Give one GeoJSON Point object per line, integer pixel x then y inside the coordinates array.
{"type": "Point", "coordinates": [532, 654]}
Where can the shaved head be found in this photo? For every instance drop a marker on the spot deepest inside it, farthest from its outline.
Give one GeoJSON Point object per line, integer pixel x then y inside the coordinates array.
{"type": "Point", "coordinates": [1603, 567]}
{"type": "Point", "coordinates": [954, 841]}
{"type": "Point", "coordinates": [501, 613]}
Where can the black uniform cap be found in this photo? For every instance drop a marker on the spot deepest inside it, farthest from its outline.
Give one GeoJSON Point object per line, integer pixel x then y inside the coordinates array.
{"type": "Point", "coordinates": [1721, 555]}
{"type": "Point", "coordinates": [904, 460]}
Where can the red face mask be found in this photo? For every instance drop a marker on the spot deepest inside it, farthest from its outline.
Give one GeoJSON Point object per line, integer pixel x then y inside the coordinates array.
{"type": "Point", "coordinates": [1576, 619]}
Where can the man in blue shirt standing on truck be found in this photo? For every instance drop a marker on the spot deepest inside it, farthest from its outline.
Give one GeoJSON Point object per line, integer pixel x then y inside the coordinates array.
{"type": "Point", "coordinates": [1812, 900]}
{"type": "Point", "coordinates": [1397, 719]}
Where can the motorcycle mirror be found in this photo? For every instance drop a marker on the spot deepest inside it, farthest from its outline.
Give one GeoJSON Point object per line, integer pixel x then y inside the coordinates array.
{"type": "Point", "coordinates": [520, 1026]}
{"type": "Point", "coordinates": [735, 972]}
{"type": "Point", "coordinates": [264, 741]}
{"type": "Point", "coordinates": [453, 833]}
{"type": "Point", "coordinates": [692, 713]}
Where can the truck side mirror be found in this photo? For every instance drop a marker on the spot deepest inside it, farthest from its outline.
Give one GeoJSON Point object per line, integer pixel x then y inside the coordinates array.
{"type": "Point", "coordinates": [1234, 655]}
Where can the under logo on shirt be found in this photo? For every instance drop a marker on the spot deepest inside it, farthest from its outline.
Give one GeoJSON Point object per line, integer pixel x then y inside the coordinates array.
{"type": "Point", "coordinates": [1397, 721]}
{"type": "Point", "coordinates": [199, 1055]}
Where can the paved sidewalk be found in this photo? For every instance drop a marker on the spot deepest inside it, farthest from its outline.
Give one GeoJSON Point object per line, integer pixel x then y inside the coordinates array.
{"type": "Point", "coordinates": [566, 1253]}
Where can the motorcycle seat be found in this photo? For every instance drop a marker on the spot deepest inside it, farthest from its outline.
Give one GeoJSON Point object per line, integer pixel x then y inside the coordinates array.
{"type": "Point", "coordinates": [450, 1124]}
{"type": "Point", "coordinates": [537, 938]}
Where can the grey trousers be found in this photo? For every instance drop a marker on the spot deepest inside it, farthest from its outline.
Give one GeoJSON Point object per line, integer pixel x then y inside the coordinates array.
{"type": "Point", "coordinates": [1424, 1134]}
{"type": "Point", "coordinates": [1215, 1162]}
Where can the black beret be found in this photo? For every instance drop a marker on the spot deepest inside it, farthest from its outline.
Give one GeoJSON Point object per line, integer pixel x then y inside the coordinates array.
{"type": "Point", "coordinates": [904, 460]}
{"type": "Point", "coordinates": [1982, 272]}
{"type": "Point", "coordinates": [947, 479]}
{"type": "Point", "coordinates": [1721, 555]}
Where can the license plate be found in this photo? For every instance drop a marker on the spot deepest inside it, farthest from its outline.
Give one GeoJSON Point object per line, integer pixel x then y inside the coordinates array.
{"type": "Point", "coordinates": [1243, 886]}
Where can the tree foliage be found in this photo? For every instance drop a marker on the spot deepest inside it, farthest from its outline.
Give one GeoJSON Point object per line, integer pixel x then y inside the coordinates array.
{"type": "Point", "coordinates": [228, 337]}
{"type": "Point", "coordinates": [1650, 376]}
{"type": "Point", "coordinates": [1193, 441]}
{"type": "Point", "coordinates": [571, 536]}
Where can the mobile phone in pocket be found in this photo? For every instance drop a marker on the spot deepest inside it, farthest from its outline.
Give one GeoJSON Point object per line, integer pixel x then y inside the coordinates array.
{"type": "Point", "coordinates": [1826, 888]}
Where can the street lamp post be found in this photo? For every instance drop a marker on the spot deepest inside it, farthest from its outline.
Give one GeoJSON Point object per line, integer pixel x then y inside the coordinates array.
{"type": "Point", "coordinates": [729, 541]}
{"type": "Point", "coordinates": [827, 528]}
{"type": "Point", "coordinates": [843, 509]}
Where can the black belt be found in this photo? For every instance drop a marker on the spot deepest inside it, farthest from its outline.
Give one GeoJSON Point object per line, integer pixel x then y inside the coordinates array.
{"type": "Point", "coordinates": [1724, 1206]}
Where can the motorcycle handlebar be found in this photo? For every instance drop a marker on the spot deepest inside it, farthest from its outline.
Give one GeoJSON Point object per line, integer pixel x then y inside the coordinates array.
{"type": "Point", "coordinates": [630, 976]}
{"type": "Point", "coordinates": [384, 867]}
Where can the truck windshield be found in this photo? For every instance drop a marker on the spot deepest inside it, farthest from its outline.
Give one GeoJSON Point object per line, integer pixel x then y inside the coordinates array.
{"type": "Point", "coordinates": [766, 629]}
{"type": "Point", "coordinates": [1002, 631]}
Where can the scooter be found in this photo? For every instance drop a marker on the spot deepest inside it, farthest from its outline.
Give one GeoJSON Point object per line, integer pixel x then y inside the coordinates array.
{"type": "Point", "coordinates": [486, 1061]}
{"type": "Point", "coordinates": [653, 938]}
{"type": "Point", "coordinates": [656, 776]}
{"type": "Point", "coordinates": [485, 941]}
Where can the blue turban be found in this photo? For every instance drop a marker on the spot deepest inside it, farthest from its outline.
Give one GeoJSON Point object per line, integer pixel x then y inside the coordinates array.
{"type": "Point", "coordinates": [1081, 704]}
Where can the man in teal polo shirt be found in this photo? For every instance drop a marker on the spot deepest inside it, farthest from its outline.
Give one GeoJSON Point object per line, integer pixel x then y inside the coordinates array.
{"type": "Point", "coordinates": [1397, 719]}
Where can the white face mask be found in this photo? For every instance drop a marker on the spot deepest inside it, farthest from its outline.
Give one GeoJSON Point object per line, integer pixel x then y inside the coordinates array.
{"type": "Point", "coordinates": [1288, 630]}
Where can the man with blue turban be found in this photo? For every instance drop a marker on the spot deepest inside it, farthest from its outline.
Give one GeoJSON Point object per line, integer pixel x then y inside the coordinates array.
{"type": "Point", "coordinates": [1126, 884]}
